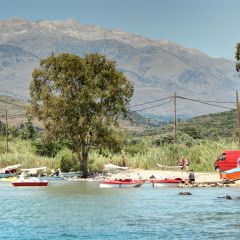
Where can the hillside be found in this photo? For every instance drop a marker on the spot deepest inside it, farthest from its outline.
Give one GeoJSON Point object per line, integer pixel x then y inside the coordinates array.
{"type": "Point", "coordinates": [157, 67]}
{"type": "Point", "coordinates": [16, 110]}
{"type": "Point", "coordinates": [210, 126]}
{"type": "Point", "coordinates": [205, 126]}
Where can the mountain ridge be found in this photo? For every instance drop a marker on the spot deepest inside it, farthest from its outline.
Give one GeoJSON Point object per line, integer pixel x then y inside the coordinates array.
{"type": "Point", "coordinates": [158, 67]}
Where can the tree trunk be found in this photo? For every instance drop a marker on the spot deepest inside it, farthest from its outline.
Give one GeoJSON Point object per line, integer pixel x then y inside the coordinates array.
{"type": "Point", "coordinates": [84, 162]}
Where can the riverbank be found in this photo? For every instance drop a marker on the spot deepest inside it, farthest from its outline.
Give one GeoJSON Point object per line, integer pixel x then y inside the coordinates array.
{"type": "Point", "coordinates": [159, 174]}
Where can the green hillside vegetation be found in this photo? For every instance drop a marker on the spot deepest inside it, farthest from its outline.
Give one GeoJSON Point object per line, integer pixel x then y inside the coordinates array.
{"type": "Point", "coordinates": [211, 126]}
{"type": "Point", "coordinates": [201, 139]}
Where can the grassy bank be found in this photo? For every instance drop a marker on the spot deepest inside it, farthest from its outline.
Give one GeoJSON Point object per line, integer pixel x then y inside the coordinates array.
{"type": "Point", "coordinates": [138, 153]}
{"type": "Point", "coordinates": [201, 155]}
{"type": "Point", "coordinates": [22, 151]}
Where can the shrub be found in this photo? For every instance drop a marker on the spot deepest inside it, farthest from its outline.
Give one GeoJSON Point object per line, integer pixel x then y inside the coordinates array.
{"type": "Point", "coordinates": [49, 148]}
{"type": "Point", "coordinates": [68, 160]}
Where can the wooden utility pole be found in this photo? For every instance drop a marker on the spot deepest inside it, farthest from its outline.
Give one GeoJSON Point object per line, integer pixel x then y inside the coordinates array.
{"type": "Point", "coordinates": [238, 119]}
{"type": "Point", "coordinates": [175, 117]}
{"type": "Point", "coordinates": [6, 131]}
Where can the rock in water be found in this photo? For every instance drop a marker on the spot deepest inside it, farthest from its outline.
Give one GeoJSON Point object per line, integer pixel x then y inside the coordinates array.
{"type": "Point", "coordinates": [184, 193]}
{"type": "Point", "coordinates": [228, 197]}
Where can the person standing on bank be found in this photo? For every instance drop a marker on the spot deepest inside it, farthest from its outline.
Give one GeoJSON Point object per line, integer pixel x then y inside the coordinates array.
{"type": "Point", "coordinates": [191, 177]}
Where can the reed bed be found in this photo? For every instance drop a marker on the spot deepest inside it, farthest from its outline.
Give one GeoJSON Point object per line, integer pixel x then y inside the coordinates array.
{"type": "Point", "coordinates": [201, 154]}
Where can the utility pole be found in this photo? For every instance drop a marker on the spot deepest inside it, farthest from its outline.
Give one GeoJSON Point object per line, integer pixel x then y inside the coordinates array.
{"type": "Point", "coordinates": [238, 119]}
{"type": "Point", "coordinates": [175, 117]}
{"type": "Point", "coordinates": [6, 130]}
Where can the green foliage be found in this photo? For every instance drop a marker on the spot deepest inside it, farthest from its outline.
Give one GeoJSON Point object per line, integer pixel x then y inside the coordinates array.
{"type": "Point", "coordinates": [28, 131]}
{"type": "Point", "coordinates": [22, 151]}
{"type": "Point", "coordinates": [68, 160]}
{"type": "Point", "coordinates": [237, 57]}
{"type": "Point", "coordinates": [2, 128]}
{"type": "Point", "coordinates": [80, 100]}
{"type": "Point", "coordinates": [192, 132]}
{"type": "Point", "coordinates": [167, 138]}
{"type": "Point", "coordinates": [13, 131]}
{"type": "Point", "coordinates": [46, 147]}
{"type": "Point", "coordinates": [211, 126]}
{"type": "Point", "coordinates": [163, 139]}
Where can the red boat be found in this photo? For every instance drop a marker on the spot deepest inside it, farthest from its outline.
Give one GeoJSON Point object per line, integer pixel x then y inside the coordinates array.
{"type": "Point", "coordinates": [31, 182]}
{"type": "Point", "coordinates": [121, 183]}
{"type": "Point", "coordinates": [166, 182]}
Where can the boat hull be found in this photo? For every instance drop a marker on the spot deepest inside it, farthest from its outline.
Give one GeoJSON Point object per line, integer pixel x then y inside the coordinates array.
{"type": "Point", "coordinates": [6, 175]}
{"type": "Point", "coordinates": [166, 182]}
{"type": "Point", "coordinates": [158, 184]}
{"type": "Point", "coordinates": [118, 184]}
{"type": "Point", "coordinates": [231, 175]}
{"type": "Point", "coordinates": [29, 184]}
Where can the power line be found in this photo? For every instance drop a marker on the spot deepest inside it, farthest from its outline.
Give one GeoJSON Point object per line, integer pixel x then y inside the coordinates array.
{"type": "Point", "coordinates": [209, 101]}
{"type": "Point", "coordinates": [152, 106]}
{"type": "Point", "coordinates": [204, 102]}
{"type": "Point", "coordinates": [157, 100]}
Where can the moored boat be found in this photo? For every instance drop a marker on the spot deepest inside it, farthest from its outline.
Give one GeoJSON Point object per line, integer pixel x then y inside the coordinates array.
{"type": "Point", "coordinates": [121, 183]}
{"type": "Point", "coordinates": [29, 182]}
{"type": "Point", "coordinates": [166, 182]}
{"type": "Point", "coordinates": [231, 175]}
{"type": "Point", "coordinates": [9, 171]}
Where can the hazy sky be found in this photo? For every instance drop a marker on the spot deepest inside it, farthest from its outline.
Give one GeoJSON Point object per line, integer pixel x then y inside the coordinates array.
{"type": "Point", "coordinates": [211, 26]}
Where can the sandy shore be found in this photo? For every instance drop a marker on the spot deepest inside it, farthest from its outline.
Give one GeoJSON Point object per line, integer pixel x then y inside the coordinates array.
{"type": "Point", "coordinates": [159, 174]}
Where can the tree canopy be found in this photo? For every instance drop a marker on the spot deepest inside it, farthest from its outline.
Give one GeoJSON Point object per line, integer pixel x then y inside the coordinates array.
{"type": "Point", "coordinates": [80, 99]}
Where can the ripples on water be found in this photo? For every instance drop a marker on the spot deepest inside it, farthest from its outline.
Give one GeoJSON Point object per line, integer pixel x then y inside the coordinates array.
{"type": "Point", "coordinates": [83, 211]}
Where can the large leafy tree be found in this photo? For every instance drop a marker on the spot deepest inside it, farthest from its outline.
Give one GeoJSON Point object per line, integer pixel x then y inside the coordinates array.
{"type": "Point", "coordinates": [80, 99]}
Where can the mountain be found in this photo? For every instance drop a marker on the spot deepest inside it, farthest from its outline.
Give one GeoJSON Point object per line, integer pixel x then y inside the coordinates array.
{"type": "Point", "coordinates": [157, 67]}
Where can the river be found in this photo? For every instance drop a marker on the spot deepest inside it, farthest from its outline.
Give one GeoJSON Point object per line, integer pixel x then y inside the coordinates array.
{"type": "Point", "coordinates": [81, 210]}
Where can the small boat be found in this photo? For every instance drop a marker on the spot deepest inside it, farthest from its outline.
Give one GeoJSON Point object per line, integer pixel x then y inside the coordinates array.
{"type": "Point", "coordinates": [9, 171]}
{"type": "Point", "coordinates": [29, 182]}
{"type": "Point", "coordinates": [231, 175]}
{"type": "Point", "coordinates": [121, 183]}
{"type": "Point", "coordinates": [34, 171]}
{"type": "Point", "coordinates": [166, 182]}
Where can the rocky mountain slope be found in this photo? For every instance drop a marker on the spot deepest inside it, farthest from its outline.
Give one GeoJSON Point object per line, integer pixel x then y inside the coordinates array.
{"type": "Point", "coordinates": [157, 68]}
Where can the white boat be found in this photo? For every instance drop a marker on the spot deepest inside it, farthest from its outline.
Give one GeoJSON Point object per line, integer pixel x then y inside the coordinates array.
{"type": "Point", "coordinates": [119, 183]}
{"type": "Point", "coordinates": [166, 182]}
{"type": "Point", "coordinates": [34, 171]}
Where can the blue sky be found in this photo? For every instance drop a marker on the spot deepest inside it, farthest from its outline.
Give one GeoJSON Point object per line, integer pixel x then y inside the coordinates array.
{"type": "Point", "coordinates": [211, 26]}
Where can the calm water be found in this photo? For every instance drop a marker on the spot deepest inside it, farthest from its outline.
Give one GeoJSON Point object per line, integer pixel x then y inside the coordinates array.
{"type": "Point", "coordinates": [83, 211]}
